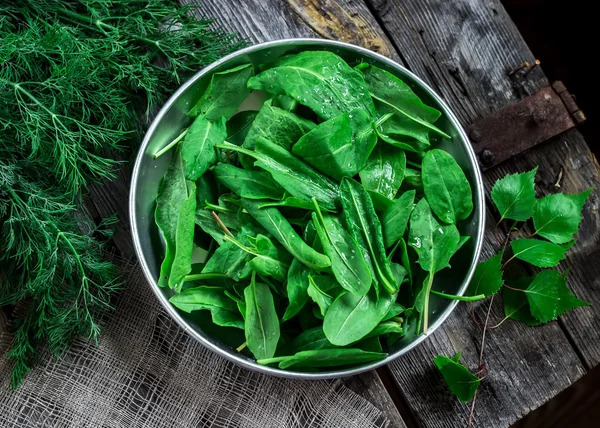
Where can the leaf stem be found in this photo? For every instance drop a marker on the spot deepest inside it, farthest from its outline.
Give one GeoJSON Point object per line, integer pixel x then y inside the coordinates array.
{"type": "Point", "coordinates": [382, 120]}
{"type": "Point", "coordinates": [171, 144]}
{"type": "Point", "coordinates": [241, 347]}
{"type": "Point", "coordinates": [228, 146]}
{"type": "Point", "coordinates": [266, 361]}
{"type": "Point", "coordinates": [411, 163]}
{"type": "Point", "coordinates": [508, 261]}
{"type": "Point", "coordinates": [222, 225]}
{"type": "Point", "coordinates": [213, 207]}
{"type": "Point", "coordinates": [201, 276]}
{"type": "Point", "coordinates": [426, 304]}
{"type": "Point", "coordinates": [461, 298]}
{"type": "Point", "coordinates": [487, 318]}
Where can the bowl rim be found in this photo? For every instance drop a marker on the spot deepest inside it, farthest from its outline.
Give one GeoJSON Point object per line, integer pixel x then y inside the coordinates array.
{"type": "Point", "coordinates": [241, 360]}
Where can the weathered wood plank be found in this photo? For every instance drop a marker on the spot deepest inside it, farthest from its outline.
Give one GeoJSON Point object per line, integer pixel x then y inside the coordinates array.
{"type": "Point", "coordinates": [369, 386]}
{"type": "Point", "coordinates": [111, 197]}
{"type": "Point", "coordinates": [527, 366]}
{"type": "Point", "coordinates": [465, 49]}
{"type": "Point", "coordinates": [260, 21]}
{"type": "Point", "coordinates": [580, 171]}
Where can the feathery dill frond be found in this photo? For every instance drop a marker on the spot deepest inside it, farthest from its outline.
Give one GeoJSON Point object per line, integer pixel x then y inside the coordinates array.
{"type": "Point", "coordinates": [78, 82]}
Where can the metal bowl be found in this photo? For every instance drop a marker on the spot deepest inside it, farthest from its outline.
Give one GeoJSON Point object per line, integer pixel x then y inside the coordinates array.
{"type": "Point", "coordinates": [172, 118]}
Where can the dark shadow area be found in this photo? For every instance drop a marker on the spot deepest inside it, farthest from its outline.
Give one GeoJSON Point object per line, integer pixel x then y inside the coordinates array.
{"type": "Point", "coordinates": [563, 35]}
{"type": "Point", "coordinates": [576, 407]}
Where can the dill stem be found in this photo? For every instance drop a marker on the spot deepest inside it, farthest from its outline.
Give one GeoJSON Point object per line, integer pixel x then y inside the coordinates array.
{"type": "Point", "coordinates": [18, 87]}
{"type": "Point", "coordinates": [100, 25]}
{"type": "Point", "coordinates": [171, 144]}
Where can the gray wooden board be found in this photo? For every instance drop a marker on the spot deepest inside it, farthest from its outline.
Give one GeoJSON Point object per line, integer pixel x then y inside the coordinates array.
{"type": "Point", "coordinates": [580, 171]}
{"type": "Point", "coordinates": [464, 50]}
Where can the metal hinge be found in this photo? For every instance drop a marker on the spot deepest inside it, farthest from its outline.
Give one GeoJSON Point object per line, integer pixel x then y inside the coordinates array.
{"type": "Point", "coordinates": [518, 127]}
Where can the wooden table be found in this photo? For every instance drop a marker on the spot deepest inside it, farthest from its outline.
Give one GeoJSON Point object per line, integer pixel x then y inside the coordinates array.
{"type": "Point", "coordinates": [464, 49]}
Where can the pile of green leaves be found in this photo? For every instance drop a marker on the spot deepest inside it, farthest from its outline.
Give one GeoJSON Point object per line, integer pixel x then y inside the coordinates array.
{"type": "Point", "coordinates": [77, 81]}
{"type": "Point", "coordinates": [306, 207]}
{"type": "Point", "coordinates": [531, 300]}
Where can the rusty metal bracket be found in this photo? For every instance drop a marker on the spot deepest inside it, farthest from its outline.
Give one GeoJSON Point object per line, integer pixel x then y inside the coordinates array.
{"type": "Point", "coordinates": [518, 127]}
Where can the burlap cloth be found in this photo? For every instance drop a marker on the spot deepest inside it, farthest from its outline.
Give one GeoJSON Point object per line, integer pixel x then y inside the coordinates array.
{"type": "Point", "coordinates": [146, 372]}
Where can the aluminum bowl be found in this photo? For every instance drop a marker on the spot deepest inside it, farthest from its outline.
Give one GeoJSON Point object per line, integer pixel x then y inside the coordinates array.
{"type": "Point", "coordinates": [170, 121]}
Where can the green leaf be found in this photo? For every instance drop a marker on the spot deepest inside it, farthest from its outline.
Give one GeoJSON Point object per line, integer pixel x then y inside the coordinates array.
{"type": "Point", "coordinates": [279, 126]}
{"type": "Point", "coordinates": [198, 146]}
{"type": "Point", "coordinates": [248, 184]}
{"type": "Point", "coordinates": [340, 146]}
{"type": "Point", "coordinates": [224, 311]}
{"type": "Point", "coordinates": [319, 80]}
{"type": "Point", "coordinates": [394, 310]}
{"type": "Point", "coordinates": [351, 317]}
{"type": "Point", "coordinates": [229, 258]}
{"type": "Point", "coordinates": [549, 296]}
{"type": "Point", "coordinates": [372, 344]}
{"type": "Point", "coordinates": [262, 324]}
{"type": "Point", "coordinates": [514, 195]}
{"type": "Point", "coordinates": [399, 272]}
{"type": "Point", "coordinates": [347, 262]}
{"type": "Point", "coordinates": [297, 288]}
{"type": "Point", "coordinates": [325, 358]}
{"type": "Point", "coordinates": [319, 296]}
{"type": "Point", "coordinates": [434, 243]}
{"type": "Point", "coordinates": [538, 253]}
{"type": "Point", "coordinates": [386, 327]}
{"type": "Point", "coordinates": [174, 201]}
{"type": "Point", "coordinates": [365, 228]}
{"type": "Point", "coordinates": [413, 179]}
{"type": "Point", "coordinates": [411, 117]}
{"type": "Point", "coordinates": [239, 125]}
{"type": "Point", "coordinates": [297, 281]}
{"type": "Point", "coordinates": [311, 339]}
{"type": "Point", "coordinates": [487, 278]}
{"type": "Point", "coordinates": [380, 202]}
{"type": "Point", "coordinates": [276, 224]}
{"type": "Point", "coordinates": [404, 259]}
{"type": "Point", "coordinates": [459, 379]}
{"type": "Point", "coordinates": [446, 187]}
{"type": "Point", "coordinates": [184, 239]}
{"type": "Point", "coordinates": [557, 217]}
{"type": "Point", "coordinates": [294, 175]}
{"type": "Point", "coordinates": [226, 91]}
{"type": "Point", "coordinates": [291, 202]}
{"type": "Point", "coordinates": [384, 171]}
{"type": "Point", "coordinates": [516, 305]}
{"type": "Point", "coordinates": [284, 102]}
{"type": "Point", "coordinates": [395, 219]}
{"type": "Point", "coordinates": [272, 260]}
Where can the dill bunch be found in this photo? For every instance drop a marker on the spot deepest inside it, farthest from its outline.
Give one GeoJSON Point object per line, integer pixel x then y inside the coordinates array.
{"type": "Point", "coordinates": [78, 81]}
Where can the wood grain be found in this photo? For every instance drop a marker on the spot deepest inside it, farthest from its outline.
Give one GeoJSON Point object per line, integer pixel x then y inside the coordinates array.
{"type": "Point", "coordinates": [465, 50]}
{"type": "Point", "coordinates": [369, 386]}
{"type": "Point", "coordinates": [580, 171]}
